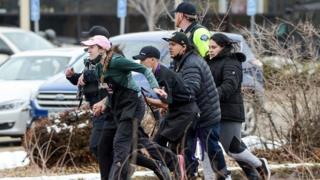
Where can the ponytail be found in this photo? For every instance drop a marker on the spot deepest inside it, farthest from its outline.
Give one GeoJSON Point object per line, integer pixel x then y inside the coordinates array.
{"type": "Point", "coordinates": [105, 66]}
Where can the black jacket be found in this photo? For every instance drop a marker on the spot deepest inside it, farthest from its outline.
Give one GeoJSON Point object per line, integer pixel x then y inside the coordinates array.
{"type": "Point", "coordinates": [91, 89]}
{"type": "Point", "coordinates": [227, 73]}
{"type": "Point", "coordinates": [178, 92]}
{"type": "Point", "coordinates": [196, 74]}
{"type": "Point", "coordinates": [183, 109]}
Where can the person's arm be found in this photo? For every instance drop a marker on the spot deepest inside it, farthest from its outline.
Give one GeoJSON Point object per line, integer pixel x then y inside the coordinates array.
{"type": "Point", "coordinates": [201, 39]}
{"type": "Point", "coordinates": [74, 78]}
{"type": "Point", "coordinates": [124, 64]}
{"type": "Point", "coordinates": [181, 92]}
{"type": "Point", "coordinates": [192, 77]}
{"type": "Point", "coordinates": [232, 74]}
{"type": "Point", "coordinates": [157, 103]}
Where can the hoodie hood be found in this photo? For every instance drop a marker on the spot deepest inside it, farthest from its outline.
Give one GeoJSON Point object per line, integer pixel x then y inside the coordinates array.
{"type": "Point", "coordinates": [236, 56]}
{"type": "Point", "coordinates": [239, 56]}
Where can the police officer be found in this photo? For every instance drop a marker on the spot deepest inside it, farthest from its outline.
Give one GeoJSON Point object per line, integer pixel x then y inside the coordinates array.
{"type": "Point", "coordinates": [186, 19]}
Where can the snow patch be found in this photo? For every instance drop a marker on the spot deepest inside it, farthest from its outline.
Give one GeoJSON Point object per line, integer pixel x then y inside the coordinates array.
{"type": "Point", "coordinates": [255, 142]}
{"type": "Point", "coordinates": [13, 159]}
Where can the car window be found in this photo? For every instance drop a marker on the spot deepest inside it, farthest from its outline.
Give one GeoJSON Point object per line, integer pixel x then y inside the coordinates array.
{"type": "Point", "coordinates": [78, 66]}
{"type": "Point", "coordinates": [32, 68]}
{"type": "Point", "coordinates": [27, 41]}
{"type": "Point", "coordinates": [132, 48]}
{"type": "Point", "coordinates": [3, 45]}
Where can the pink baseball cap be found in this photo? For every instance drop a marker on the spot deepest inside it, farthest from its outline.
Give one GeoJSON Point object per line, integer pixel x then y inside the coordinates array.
{"type": "Point", "coordinates": [99, 40]}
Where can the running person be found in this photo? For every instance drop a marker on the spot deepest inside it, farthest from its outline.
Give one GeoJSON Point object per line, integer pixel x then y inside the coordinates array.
{"type": "Point", "coordinates": [88, 82]}
{"type": "Point", "coordinates": [123, 102]}
{"type": "Point", "coordinates": [226, 70]}
{"type": "Point", "coordinates": [182, 110]}
{"type": "Point", "coordinates": [196, 74]}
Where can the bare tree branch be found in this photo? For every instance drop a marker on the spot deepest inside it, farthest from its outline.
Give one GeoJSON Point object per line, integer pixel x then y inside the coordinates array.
{"type": "Point", "coordinates": [225, 16]}
{"type": "Point", "coordinates": [150, 9]}
{"type": "Point", "coordinates": [204, 8]}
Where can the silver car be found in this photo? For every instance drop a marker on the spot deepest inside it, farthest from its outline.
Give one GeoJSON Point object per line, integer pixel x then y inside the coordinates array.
{"type": "Point", "coordinates": [14, 40]}
{"type": "Point", "coordinates": [20, 78]}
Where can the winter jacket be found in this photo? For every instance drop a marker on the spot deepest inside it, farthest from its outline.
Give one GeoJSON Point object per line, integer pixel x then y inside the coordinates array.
{"type": "Point", "coordinates": [199, 36]}
{"type": "Point", "coordinates": [183, 109]}
{"type": "Point", "coordinates": [91, 89]}
{"type": "Point", "coordinates": [196, 74]}
{"type": "Point", "coordinates": [119, 73]}
{"type": "Point", "coordinates": [226, 70]}
{"type": "Point", "coordinates": [173, 83]}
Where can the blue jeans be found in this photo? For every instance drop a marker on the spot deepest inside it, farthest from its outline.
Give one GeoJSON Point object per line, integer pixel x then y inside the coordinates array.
{"type": "Point", "coordinates": [209, 138]}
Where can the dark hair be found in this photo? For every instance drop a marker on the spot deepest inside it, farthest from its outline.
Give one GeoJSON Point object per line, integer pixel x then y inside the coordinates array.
{"type": "Point", "coordinates": [226, 43]}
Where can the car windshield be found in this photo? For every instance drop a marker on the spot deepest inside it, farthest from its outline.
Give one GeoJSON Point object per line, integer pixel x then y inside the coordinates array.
{"type": "Point", "coordinates": [32, 67]}
{"type": "Point", "coordinates": [28, 41]}
{"type": "Point", "coordinates": [78, 65]}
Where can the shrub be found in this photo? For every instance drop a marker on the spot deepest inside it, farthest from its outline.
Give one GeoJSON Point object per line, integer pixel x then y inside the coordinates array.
{"type": "Point", "coordinates": [60, 141]}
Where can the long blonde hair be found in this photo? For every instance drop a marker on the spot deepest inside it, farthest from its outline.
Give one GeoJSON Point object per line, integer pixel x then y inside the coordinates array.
{"type": "Point", "coordinates": [105, 64]}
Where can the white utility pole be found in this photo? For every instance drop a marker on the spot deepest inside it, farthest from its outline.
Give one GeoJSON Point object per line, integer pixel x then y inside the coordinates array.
{"type": "Point", "coordinates": [24, 14]}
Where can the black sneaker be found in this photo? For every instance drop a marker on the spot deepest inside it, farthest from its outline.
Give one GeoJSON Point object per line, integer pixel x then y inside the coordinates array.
{"type": "Point", "coordinates": [264, 169]}
{"type": "Point", "coordinates": [224, 175]}
{"type": "Point", "coordinates": [163, 172]}
{"type": "Point", "coordinates": [250, 172]}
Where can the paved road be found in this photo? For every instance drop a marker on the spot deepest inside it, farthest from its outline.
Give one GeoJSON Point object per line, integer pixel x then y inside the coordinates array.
{"type": "Point", "coordinates": [10, 144]}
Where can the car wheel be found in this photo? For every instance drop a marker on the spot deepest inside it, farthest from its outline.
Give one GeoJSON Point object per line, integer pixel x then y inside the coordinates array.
{"type": "Point", "coordinates": [251, 118]}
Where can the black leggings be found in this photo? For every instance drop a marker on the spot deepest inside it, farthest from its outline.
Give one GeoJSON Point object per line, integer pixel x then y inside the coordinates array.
{"type": "Point", "coordinates": [106, 147]}
{"type": "Point", "coordinates": [105, 153]}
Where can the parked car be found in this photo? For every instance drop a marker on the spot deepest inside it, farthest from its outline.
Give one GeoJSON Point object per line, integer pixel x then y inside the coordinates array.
{"type": "Point", "coordinates": [131, 44]}
{"type": "Point", "coordinates": [20, 77]}
{"type": "Point", "coordinates": [14, 40]}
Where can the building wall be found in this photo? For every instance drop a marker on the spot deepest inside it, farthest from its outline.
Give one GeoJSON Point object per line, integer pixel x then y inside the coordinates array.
{"type": "Point", "coordinates": [68, 20]}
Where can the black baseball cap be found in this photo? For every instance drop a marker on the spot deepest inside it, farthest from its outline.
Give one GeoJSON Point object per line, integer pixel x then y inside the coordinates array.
{"type": "Point", "coordinates": [179, 37]}
{"type": "Point", "coordinates": [96, 30]}
{"type": "Point", "coordinates": [186, 8]}
{"type": "Point", "coordinates": [147, 52]}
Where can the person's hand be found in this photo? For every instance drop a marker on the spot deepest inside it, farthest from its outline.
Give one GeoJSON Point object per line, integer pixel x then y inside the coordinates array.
{"type": "Point", "coordinates": [98, 108]}
{"type": "Point", "coordinates": [69, 72]}
{"type": "Point", "coordinates": [163, 111]}
{"type": "Point", "coordinates": [160, 92]}
{"type": "Point", "coordinates": [81, 81]}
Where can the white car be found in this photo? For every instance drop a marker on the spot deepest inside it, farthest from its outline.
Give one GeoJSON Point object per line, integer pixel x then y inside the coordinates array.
{"type": "Point", "coordinates": [20, 78]}
{"type": "Point", "coordinates": [14, 40]}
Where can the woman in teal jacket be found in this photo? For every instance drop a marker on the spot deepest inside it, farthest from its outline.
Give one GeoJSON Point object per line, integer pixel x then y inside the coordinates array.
{"type": "Point", "coordinates": [115, 73]}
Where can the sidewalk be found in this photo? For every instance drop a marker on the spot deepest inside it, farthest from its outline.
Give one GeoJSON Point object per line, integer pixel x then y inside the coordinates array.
{"type": "Point", "coordinates": [149, 174]}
